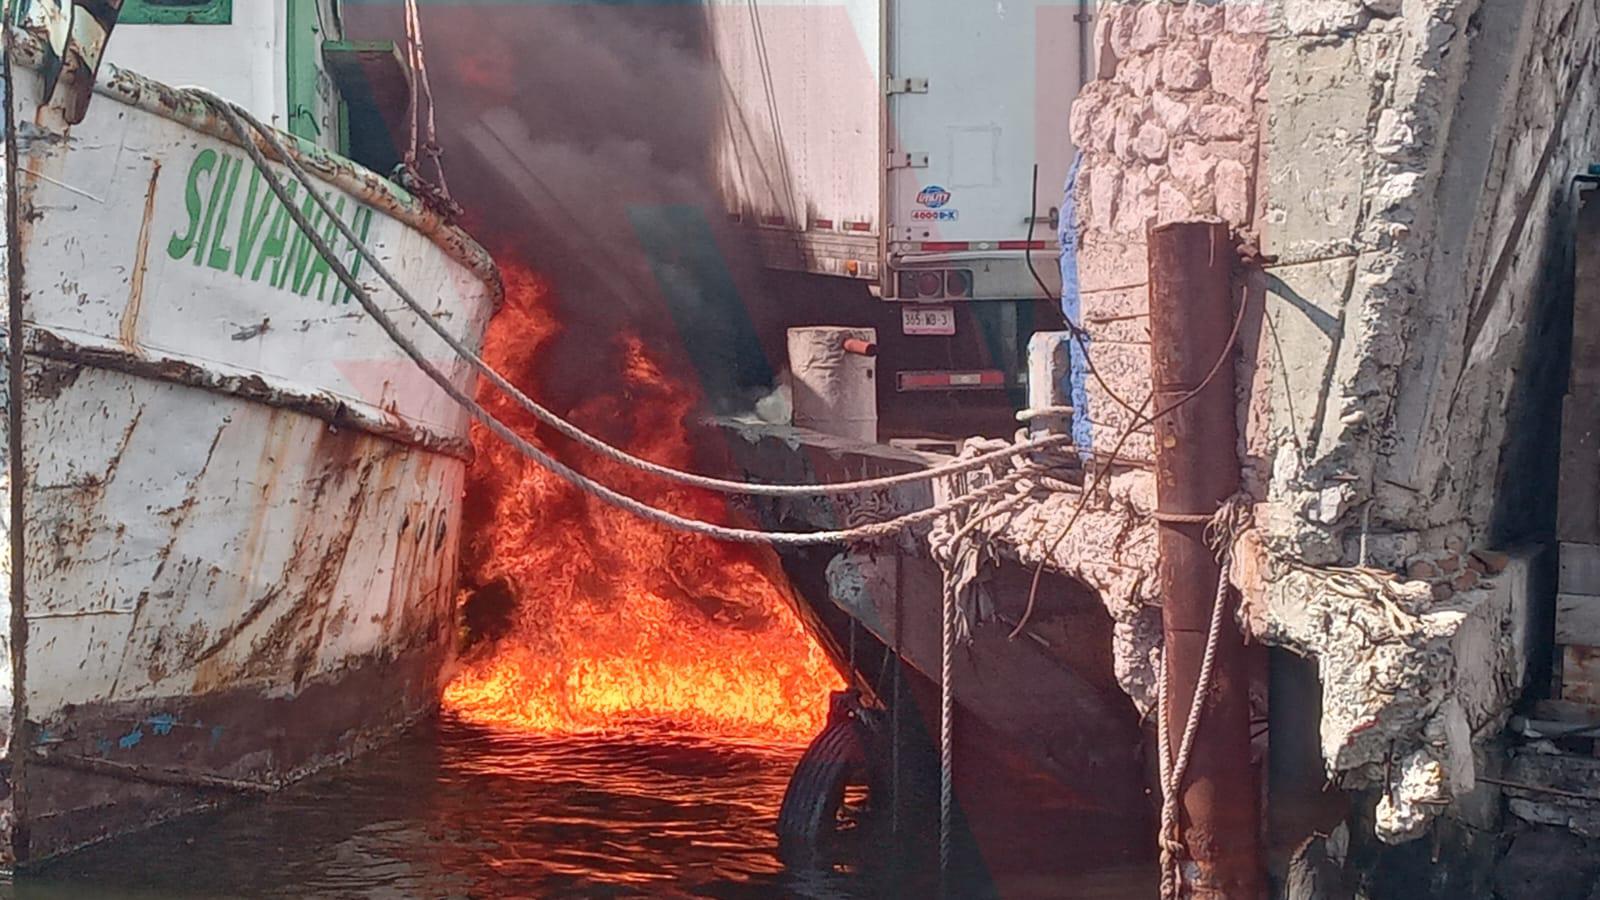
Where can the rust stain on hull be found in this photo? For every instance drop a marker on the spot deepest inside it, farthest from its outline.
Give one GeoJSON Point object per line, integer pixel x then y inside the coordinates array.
{"type": "Point", "coordinates": [119, 767]}
{"type": "Point", "coordinates": [128, 328]}
{"type": "Point", "coordinates": [241, 567]}
{"type": "Point", "coordinates": [251, 387]}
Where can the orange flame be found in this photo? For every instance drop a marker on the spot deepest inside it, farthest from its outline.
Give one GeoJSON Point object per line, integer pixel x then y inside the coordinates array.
{"type": "Point", "coordinates": [619, 622]}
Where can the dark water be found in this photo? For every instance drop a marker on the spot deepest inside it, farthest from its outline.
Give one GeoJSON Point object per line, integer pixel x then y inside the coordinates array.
{"type": "Point", "coordinates": [454, 811]}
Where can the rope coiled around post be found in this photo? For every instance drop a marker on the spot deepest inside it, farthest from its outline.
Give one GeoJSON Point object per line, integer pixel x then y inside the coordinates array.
{"type": "Point", "coordinates": [953, 551]}
{"type": "Point", "coordinates": [1221, 530]}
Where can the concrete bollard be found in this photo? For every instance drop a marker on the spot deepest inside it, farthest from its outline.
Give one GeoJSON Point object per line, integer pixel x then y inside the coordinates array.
{"type": "Point", "coordinates": [1049, 373]}
{"type": "Point", "coordinates": [835, 390]}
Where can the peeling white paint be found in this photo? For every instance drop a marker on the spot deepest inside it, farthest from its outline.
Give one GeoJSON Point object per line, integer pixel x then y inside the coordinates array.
{"type": "Point", "coordinates": [233, 484]}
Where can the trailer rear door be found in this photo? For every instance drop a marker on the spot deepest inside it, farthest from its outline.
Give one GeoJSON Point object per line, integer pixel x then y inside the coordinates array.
{"type": "Point", "coordinates": [801, 85]}
{"type": "Point", "coordinates": [979, 94]}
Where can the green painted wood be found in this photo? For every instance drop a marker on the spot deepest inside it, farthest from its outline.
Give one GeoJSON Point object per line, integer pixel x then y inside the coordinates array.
{"type": "Point", "coordinates": [176, 12]}
{"type": "Point", "coordinates": [303, 43]}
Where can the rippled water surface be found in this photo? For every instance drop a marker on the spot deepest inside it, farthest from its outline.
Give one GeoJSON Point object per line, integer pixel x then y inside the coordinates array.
{"type": "Point", "coordinates": [455, 811]}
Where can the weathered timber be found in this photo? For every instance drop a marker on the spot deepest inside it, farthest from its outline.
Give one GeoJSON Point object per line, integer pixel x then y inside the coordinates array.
{"type": "Point", "coordinates": [1580, 568]}
{"type": "Point", "coordinates": [1578, 509]}
{"type": "Point", "coordinates": [1580, 674]}
{"type": "Point", "coordinates": [1555, 789]}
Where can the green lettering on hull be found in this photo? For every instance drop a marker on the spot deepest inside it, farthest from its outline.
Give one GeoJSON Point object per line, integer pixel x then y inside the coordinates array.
{"type": "Point", "coordinates": [263, 231]}
{"type": "Point", "coordinates": [178, 247]}
{"type": "Point", "coordinates": [219, 256]}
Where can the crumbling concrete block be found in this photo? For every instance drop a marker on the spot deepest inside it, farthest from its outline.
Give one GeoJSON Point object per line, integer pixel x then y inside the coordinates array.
{"type": "Point", "coordinates": [1305, 307]}
{"type": "Point", "coordinates": [1407, 163]}
{"type": "Point", "coordinates": [1320, 99]}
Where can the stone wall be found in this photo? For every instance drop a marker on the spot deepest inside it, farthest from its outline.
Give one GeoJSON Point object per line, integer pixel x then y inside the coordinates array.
{"type": "Point", "coordinates": [1417, 169]}
{"type": "Point", "coordinates": [1406, 168]}
{"type": "Point", "coordinates": [1169, 131]}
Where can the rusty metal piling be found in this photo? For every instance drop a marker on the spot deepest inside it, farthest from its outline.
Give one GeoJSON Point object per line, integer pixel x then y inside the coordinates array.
{"type": "Point", "coordinates": [1197, 468]}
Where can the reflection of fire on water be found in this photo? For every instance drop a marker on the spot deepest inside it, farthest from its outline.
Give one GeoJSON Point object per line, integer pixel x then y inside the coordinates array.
{"type": "Point", "coordinates": [614, 621]}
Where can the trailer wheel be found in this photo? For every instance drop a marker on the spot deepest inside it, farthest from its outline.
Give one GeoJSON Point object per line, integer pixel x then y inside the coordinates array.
{"type": "Point", "coordinates": [828, 798]}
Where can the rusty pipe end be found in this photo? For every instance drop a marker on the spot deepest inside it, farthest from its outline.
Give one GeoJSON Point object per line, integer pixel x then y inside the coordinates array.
{"type": "Point", "coordinates": [860, 347]}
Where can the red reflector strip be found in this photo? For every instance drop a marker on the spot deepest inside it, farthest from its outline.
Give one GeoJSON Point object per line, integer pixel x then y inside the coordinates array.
{"type": "Point", "coordinates": [824, 224]}
{"type": "Point", "coordinates": [1024, 245]}
{"type": "Point", "coordinates": [774, 220]}
{"type": "Point", "coordinates": [945, 246]}
{"type": "Point", "coordinates": [979, 379]}
{"type": "Point", "coordinates": [858, 226]}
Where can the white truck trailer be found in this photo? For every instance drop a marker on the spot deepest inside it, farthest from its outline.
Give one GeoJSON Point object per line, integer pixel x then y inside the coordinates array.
{"type": "Point", "coordinates": [919, 146]}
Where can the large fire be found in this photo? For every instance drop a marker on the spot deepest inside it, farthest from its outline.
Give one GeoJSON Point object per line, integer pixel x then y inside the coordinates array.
{"type": "Point", "coordinates": [620, 623]}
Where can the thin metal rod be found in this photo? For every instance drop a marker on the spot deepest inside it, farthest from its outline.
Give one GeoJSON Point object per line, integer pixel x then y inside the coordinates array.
{"type": "Point", "coordinates": [153, 775]}
{"type": "Point", "coordinates": [1540, 789]}
{"type": "Point", "coordinates": [894, 713]}
{"type": "Point", "coordinates": [21, 734]}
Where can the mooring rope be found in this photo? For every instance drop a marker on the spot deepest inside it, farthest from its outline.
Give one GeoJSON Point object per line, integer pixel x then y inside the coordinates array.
{"type": "Point", "coordinates": [555, 421]}
{"type": "Point", "coordinates": [1222, 528]}
{"type": "Point", "coordinates": [236, 118]}
{"type": "Point", "coordinates": [1224, 522]}
{"type": "Point", "coordinates": [952, 554]}
{"type": "Point", "coordinates": [946, 733]}
{"type": "Point", "coordinates": [437, 195]}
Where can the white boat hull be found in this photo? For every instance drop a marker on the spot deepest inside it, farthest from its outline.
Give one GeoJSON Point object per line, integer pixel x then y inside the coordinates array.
{"type": "Point", "coordinates": [239, 503]}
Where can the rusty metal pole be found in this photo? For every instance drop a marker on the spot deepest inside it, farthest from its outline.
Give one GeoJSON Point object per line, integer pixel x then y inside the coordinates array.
{"type": "Point", "coordinates": [1197, 468]}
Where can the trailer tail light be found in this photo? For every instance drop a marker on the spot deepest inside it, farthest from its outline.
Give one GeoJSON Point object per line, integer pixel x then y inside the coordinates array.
{"type": "Point", "coordinates": [958, 284]}
{"type": "Point", "coordinates": [933, 284]}
{"type": "Point", "coordinates": [906, 285]}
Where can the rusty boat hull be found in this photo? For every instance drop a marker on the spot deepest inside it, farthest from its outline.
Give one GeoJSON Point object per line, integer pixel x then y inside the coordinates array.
{"type": "Point", "coordinates": [234, 503]}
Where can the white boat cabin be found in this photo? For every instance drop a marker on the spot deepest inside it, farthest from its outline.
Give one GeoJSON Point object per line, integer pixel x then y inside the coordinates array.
{"type": "Point", "coordinates": [287, 61]}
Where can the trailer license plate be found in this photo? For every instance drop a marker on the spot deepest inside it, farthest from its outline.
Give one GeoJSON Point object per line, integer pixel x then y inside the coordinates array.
{"type": "Point", "coordinates": [927, 320]}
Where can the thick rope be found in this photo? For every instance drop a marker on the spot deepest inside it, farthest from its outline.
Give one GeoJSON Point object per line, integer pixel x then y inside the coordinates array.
{"type": "Point", "coordinates": [946, 734]}
{"type": "Point", "coordinates": [1170, 518]}
{"type": "Point", "coordinates": [951, 554]}
{"type": "Point", "coordinates": [1222, 527]}
{"type": "Point", "coordinates": [858, 534]}
{"type": "Point", "coordinates": [429, 142]}
{"type": "Point", "coordinates": [571, 431]}
{"type": "Point", "coordinates": [1172, 845]}
{"type": "Point", "coordinates": [1095, 481]}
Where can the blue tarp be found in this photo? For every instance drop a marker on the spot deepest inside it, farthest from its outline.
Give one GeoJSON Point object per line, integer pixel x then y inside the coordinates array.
{"type": "Point", "coordinates": [1072, 308]}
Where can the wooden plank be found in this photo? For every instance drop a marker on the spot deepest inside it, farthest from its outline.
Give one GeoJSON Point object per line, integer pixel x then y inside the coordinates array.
{"type": "Point", "coordinates": [1563, 772]}
{"type": "Point", "coordinates": [1553, 789]}
{"type": "Point", "coordinates": [1578, 507]}
{"type": "Point", "coordinates": [1567, 712]}
{"type": "Point", "coordinates": [1578, 619]}
{"type": "Point", "coordinates": [1559, 719]}
{"type": "Point", "coordinates": [1586, 299]}
{"type": "Point", "coordinates": [1580, 674]}
{"type": "Point", "coordinates": [1580, 568]}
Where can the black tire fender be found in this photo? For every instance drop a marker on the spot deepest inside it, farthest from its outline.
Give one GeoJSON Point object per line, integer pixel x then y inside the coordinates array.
{"type": "Point", "coordinates": [816, 789]}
